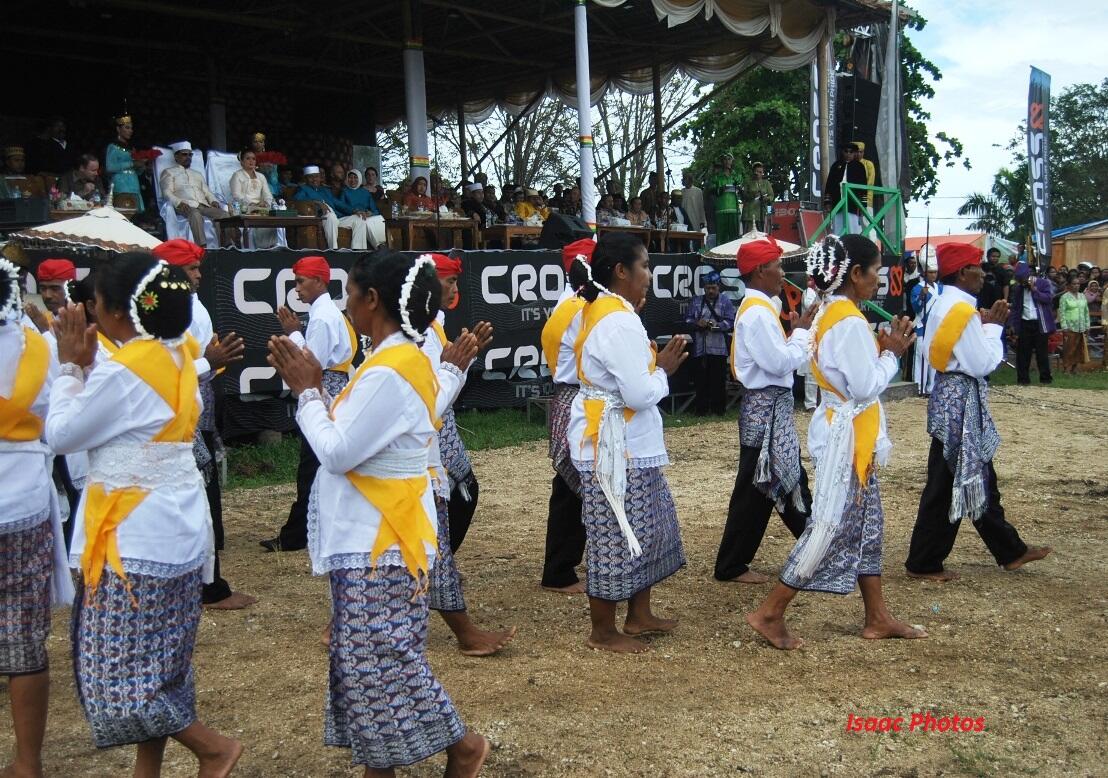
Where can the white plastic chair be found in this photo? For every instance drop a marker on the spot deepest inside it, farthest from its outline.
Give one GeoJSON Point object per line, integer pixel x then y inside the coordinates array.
{"type": "Point", "coordinates": [221, 166]}
{"type": "Point", "coordinates": [176, 225]}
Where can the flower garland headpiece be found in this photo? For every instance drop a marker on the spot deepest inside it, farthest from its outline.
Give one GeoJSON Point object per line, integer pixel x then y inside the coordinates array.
{"type": "Point", "coordinates": [12, 307]}
{"type": "Point", "coordinates": [424, 260]}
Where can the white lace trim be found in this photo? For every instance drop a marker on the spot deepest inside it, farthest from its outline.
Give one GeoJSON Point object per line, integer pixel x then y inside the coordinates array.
{"type": "Point", "coordinates": [450, 367]}
{"type": "Point", "coordinates": [73, 370]}
{"type": "Point", "coordinates": [634, 463]}
{"type": "Point", "coordinates": [146, 465]}
{"type": "Point", "coordinates": [395, 463]}
{"type": "Point", "coordinates": [25, 523]}
{"type": "Point", "coordinates": [149, 567]}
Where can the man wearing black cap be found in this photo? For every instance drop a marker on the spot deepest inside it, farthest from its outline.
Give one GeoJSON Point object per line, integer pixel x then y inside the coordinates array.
{"type": "Point", "coordinates": [847, 170]}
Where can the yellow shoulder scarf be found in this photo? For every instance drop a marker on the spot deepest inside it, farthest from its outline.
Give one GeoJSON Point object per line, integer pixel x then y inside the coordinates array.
{"type": "Point", "coordinates": [105, 510]}
{"type": "Point", "coordinates": [440, 333]}
{"type": "Point", "coordinates": [107, 343]}
{"type": "Point", "coordinates": [748, 303]}
{"type": "Point", "coordinates": [555, 329]}
{"type": "Point", "coordinates": [867, 424]}
{"type": "Point", "coordinates": [949, 331]}
{"type": "Point", "coordinates": [404, 522]}
{"type": "Point", "coordinates": [17, 422]}
{"type": "Point", "coordinates": [344, 367]}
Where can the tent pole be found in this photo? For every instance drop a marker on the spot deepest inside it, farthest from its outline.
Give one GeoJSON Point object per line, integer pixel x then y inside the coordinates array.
{"type": "Point", "coordinates": [659, 161]}
{"type": "Point", "coordinates": [823, 64]}
{"type": "Point", "coordinates": [584, 114]}
{"type": "Point", "coordinates": [415, 92]}
{"type": "Point", "coordinates": [462, 141]}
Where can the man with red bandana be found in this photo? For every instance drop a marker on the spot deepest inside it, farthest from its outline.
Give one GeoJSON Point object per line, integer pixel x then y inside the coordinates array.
{"type": "Point", "coordinates": [53, 277]}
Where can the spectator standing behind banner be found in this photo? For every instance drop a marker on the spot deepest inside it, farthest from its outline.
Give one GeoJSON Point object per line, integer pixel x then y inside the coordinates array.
{"type": "Point", "coordinates": [1030, 320]}
{"type": "Point", "coordinates": [1073, 318]}
{"type": "Point", "coordinates": [847, 170]}
{"type": "Point", "coordinates": [118, 163]}
{"type": "Point", "coordinates": [711, 317]}
{"type": "Point", "coordinates": [757, 196]}
{"type": "Point", "coordinates": [692, 201]}
{"type": "Point", "coordinates": [726, 186]}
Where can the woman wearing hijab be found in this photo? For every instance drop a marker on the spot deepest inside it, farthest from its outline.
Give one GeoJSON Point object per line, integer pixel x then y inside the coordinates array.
{"type": "Point", "coordinates": [363, 205]}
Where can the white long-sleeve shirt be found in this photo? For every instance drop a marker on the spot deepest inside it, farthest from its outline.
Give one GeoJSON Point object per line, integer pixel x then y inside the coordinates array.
{"type": "Point", "coordinates": [849, 361]}
{"type": "Point", "coordinates": [201, 328]}
{"type": "Point", "coordinates": [326, 335]}
{"type": "Point", "coordinates": [762, 355]}
{"type": "Point", "coordinates": [566, 370]}
{"type": "Point", "coordinates": [185, 185]}
{"type": "Point", "coordinates": [451, 381]}
{"type": "Point", "coordinates": [251, 192]}
{"type": "Point", "coordinates": [25, 481]}
{"type": "Point", "coordinates": [981, 346]}
{"type": "Point", "coordinates": [381, 412]}
{"type": "Point", "coordinates": [616, 358]}
{"type": "Point", "coordinates": [170, 531]}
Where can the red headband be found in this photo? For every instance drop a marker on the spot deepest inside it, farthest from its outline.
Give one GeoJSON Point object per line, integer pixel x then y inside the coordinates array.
{"type": "Point", "coordinates": [313, 267]}
{"type": "Point", "coordinates": [571, 251]}
{"type": "Point", "coordinates": [56, 270]}
{"type": "Point", "coordinates": [179, 252]}
{"type": "Point", "coordinates": [955, 256]}
{"type": "Point", "coordinates": [756, 253]}
{"type": "Point", "coordinates": [446, 267]}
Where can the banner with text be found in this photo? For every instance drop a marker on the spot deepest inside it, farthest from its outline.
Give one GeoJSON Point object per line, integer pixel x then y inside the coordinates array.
{"type": "Point", "coordinates": [1038, 161]}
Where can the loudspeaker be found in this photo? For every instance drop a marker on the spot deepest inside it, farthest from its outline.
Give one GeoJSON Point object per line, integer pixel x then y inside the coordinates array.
{"type": "Point", "coordinates": [561, 229]}
{"type": "Point", "coordinates": [856, 112]}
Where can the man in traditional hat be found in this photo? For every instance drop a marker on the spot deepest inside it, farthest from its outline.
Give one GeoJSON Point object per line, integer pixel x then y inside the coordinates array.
{"type": "Point", "coordinates": [52, 277]}
{"type": "Point", "coordinates": [710, 317]}
{"type": "Point", "coordinates": [312, 189]}
{"type": "Point", "coordinates": [763, 360]}
{"type": "Point", "coordinates": [757, 197]}
{"type": "Point", "coordinates": [727, 186]}
{"type": "Point", "coordinates": [531, 206]}
{"type": "Point", "coordinates": [331, 339]}
{"type": "Point", "coordinates": [185, 190]}
{"type": "Point", "coordinates": [964, 346]}
{"type": "Point", "coordinates": [215, 354]}
{"type": "Point", "coordinates": [850, 170]}
{"type": "Point", "coordinates": [474, 204]}
{"type": "Point", "coordinates": [15, 161]}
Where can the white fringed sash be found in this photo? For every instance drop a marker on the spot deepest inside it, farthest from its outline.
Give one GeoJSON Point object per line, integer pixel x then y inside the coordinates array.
{"type": "Point", "coordinates": [611, 459]}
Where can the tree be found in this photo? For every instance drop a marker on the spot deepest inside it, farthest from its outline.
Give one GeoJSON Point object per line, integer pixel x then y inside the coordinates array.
{"type": "Point", "coordinates": [1006, 210]}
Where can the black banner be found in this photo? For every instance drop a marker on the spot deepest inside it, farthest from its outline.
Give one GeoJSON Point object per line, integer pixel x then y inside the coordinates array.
{"type": "Point", "coordinates": [1038, 161]}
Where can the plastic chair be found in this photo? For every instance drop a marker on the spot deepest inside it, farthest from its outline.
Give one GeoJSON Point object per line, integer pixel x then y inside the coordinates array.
{"type": "Point", "coordinates": [176, 225]}
{"type": "Point", "coordinates": [221, 166]}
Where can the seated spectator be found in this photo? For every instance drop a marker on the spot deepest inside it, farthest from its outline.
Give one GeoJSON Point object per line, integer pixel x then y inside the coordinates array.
{"type": "Point", "coordinates": [362, 205]}
{"type": "Point", "coordinates": [84, 181]}
{"type": "Point", "coordinates": [336, 179]}
{"type": "Point", "coordinates": [373, 186]}
{"type": "Point", "coordinates": [417, 198]}
{"type": "Point", "coordinates": [637, 216]}
{"type": "Point", "coordinates": [285, 177]}
{"type": "Point", "coordinates": [251, 189]}
{"type": "Point", "coordinates": [184, 189]}
{"type": "Point", "coordinates": [607, 210]}
{"type": "Point", "coordinates": [493, 204]}
{"type": "Point", "coordinates": [532, 206]}
{"type": "Point", "coordinates": [267, 169]}
{"type": "Point", "coordinates": [615, 189]}
{"type": "Point", "coordinates": [557, 200]}
{"type": "Point", "coordinates": [665, 215]}
{"type": "Point", "coordinates": [312, 190]}
{"type": "Point", "coordinates": [474, 205]}
{"type": "Point", "coordinates": [571, 203]}
{"type": "Point", "coordinates": [15, 161]}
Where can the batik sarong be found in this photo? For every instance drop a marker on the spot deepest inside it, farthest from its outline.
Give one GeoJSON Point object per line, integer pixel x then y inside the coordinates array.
{"type": "Point", "coordinates": [613, 573]}
{"type": "Point", "coordinates": [854, 550]}
{"type": "Point", "coordinates": [445, 593]}
{"type": "Point", "coordinates": [766, 423]}
{"type": "Point", "coordinates": [26, 563]}
{"type": "Point", "coordinates": [455, 458]}
{"type": "Point", "coordinates": [133, 659]}
{"type": "Point", "coordinates": [383, 702]}
{"type": "Point", "coordinates": [560, 408]}
{"type": "Point", "coordinates": [958, 417]}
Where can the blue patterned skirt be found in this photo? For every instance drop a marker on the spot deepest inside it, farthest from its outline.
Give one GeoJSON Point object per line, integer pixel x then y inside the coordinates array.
{"type": "Point", "coordinates": [455, 458]}
{"type": "Point", "coordinates": [445, 592]}
{"type": "Point", "coordinates": [560, 408]}
{"type": "Point", "coordinates": [612, 572]}
{"type": "Point", "coordinates": [134, 665]}
{"type": "Point", "coordinates": [383, 702]}
{"type": "Point", "coordinates": [26, 562]}
{"type": "Point", "coordinates": [855, 549]}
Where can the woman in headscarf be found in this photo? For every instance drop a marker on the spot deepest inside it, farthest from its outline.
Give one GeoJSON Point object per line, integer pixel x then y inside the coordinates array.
{"type": "Point", "coordinates": [417, 198]}
{"type": "Point", "coordinates": [363, 205]}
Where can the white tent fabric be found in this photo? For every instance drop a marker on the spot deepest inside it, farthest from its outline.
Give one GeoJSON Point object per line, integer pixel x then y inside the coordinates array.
{"type": "Point", "coordinates": [730, 249]}
{"type": "Point", "coordinates": [101, 228]}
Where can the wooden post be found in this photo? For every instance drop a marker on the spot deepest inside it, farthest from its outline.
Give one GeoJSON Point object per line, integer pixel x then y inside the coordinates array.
{"type": "Point", "coordinates": [462, 140]}
{"type": "Point", "coordinates": [823, 62]}
{"type": "Point", "coordinates": [659, 183]}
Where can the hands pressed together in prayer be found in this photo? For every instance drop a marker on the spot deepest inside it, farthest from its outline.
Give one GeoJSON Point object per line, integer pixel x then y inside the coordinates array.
{"type": "Point", "coordinates": [76, 337]}
{"type": "Point", "coordinates": [674, 353]}
{"type": "Point", "coordinates": [803, 321]}
{"type": "Point", "coordinates": [37, 316]}
{"type": "Point", "coordinates": [298, 367]}
{"type": "Point", "coordinates": [223, 351]}
{"type": "Point", "coordinates": [288, 320]}
{"type": "Point", "coordinates": [465, 348]}
{"type": "Point", "coordinates": [998, 314]}
{"type": "Point", "coordinates": [898, 338]}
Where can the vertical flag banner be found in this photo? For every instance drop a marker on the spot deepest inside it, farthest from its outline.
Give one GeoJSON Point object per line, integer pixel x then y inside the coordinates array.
{"type": "Point", "coordinates": [1038, 161]}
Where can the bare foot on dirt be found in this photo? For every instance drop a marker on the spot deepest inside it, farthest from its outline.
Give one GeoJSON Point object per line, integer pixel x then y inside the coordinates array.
{"type": "Point", "coordinates": [1032, 554]}
{"type": "Point", "coordinates": [481, 643]}
{"type": "Point", "coordinates": [326, 639]}
{"type": "Point", "coordinates": [750, 577]}
{"type": "Point", "coordinates": [617, 643]}
{"type": "Point", "coordinates": [233, 602]}
{"type": "Point", "coordinates": [648, 625]}
{"type": "Point", "coordinates": [466, 757]}
{"type": "Point", "coordinates": [774, 630]}
{"type": "Point", "coordinates": [18, 771]}
{"type": "Point", "coordinates": [573, 588]}
{"type": "Point", "coordinates": [891, 628]}
{"type": "Point", "coordinates": [220, 765]}
{"type": "Point", "coordinates": [942, 576]}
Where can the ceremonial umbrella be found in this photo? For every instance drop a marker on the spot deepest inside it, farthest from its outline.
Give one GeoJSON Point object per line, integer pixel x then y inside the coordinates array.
{"type": "Point", "coordinates": [730, 249]}
{"type": "Point", "coordinates": [101, 228]}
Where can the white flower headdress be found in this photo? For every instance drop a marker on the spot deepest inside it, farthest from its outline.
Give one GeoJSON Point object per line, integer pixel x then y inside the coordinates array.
{"type": "Point", "coordinates": [11, 308]}
{"type": "Point", "coordinates": [424, 260]}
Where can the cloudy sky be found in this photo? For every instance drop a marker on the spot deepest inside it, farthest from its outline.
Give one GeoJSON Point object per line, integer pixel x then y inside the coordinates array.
{"type": "Point", "coordinates": [985, 49]}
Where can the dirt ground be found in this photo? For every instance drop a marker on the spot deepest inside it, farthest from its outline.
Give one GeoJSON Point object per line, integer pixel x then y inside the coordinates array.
{"type": "Point", "coordinates": [1024, 650]}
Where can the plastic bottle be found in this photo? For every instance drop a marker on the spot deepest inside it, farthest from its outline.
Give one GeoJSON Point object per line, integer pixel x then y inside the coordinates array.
{"type": "Point", "coordinates": [395, 210]}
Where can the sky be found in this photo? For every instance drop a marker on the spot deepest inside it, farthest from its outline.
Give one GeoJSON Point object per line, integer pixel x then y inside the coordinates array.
{"type": "Point", "coordinates": [985, 50]}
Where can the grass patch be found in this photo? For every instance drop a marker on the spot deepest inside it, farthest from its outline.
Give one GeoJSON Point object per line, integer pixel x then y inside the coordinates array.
{"type": "Point", "coordinates": [1094, 379]}
{"type": "Point", "coordinates": [484, 430]}
{"type": "Point", "coordinates": [251, 466]}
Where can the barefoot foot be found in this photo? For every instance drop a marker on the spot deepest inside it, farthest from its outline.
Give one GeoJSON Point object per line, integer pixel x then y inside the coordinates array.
{"type": "Point", "coordinates": [1032, 554]}
{"type": "Point", "coordinates": [481, 643]}
{"type": "Point", "coordinates": [891, 628]}
{"type": "Point", "coordinates": [21, 771]}
{"type": "Point", "coordinates": [942, 576]}
{"type": "Point", "coordinates": [749, 577]}
{"type": "Point", "coordinates": [617, 643]}
{"type": "Point", "coordinates": [773, 629]}
{"type": "Point", "coordinates": [647, 625]}
{"type": "Point", "coordinates": [221, 763]}
{"type": "Point", "coordinates": [233, 602]}
{"type": "Point", "coordinates": [573, 588]}
{"type": "Point", "coordinates": [466, 757]}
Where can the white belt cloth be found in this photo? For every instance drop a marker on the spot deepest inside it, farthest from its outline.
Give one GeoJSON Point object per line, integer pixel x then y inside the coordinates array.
{"type": "Point", "coordinates": [611, 459]}
{"type": "Point", "coordinates": [834, 469]}
{"type": "Point", "coordinates": [61, 585]}
{"type": "Point", "coordinates": [396, 463]}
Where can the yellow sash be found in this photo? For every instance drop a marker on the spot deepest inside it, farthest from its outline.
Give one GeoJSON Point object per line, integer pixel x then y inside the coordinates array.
{"type": "Point", "coordinates": [440, 332]}
{"type": "Point", "coordinates": [750, 302]}
{"type": "Point", "coordinates": [344, 367]}
{"type": "Point", "coordinates": [404, 521]}
{"type": "Point", "coordinates": [17, 422]}
{"type": "Point", "coordinates": [107, 343]}
{"type": "Point", "coordinates": [947, 335]}
{"type": "Point", "coordinates": [105, 510]}
{"type": "Point", "coordinates": [867, 424]}
{"type": "Point", "coordinates": [555, 329]}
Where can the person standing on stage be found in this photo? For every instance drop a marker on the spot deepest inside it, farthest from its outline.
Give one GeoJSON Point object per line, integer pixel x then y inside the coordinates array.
{"type": "Point", "coordinates": [33, 567]}
{"type": "Point", "coordinates": [215, 354]}
{"type": "Point", "coordinates": [456, 488]}
{"type": "Point", "coordinates": [332, 341]}
{"type": "Point", "coordinates": [616, 443]}
{"type": "Point", "coordinates": [727, 186]}
{"type": "Point", "coordinates": [372, 528]}
{"type": "Point", "coordinates": [964, 346]}
{"type": "Point", "coordinates": [763, 360]}
{"type": "Point", "coordinates": [565, 534]}
{"type": "Point", "coordinates": [143, 537]}
{"type": "Point", "coordinates": [847, 170]}
{"type": "Point", "coordinates": [757, 197]}
{"type": "Point", "coordinates": [842, 543]}
{"type": "Point", "coordinates": [1031, 321]}
{"type": "Point", "coordinates": [692, 201]}
{"type": "Point", "coordinates": [710, 317]}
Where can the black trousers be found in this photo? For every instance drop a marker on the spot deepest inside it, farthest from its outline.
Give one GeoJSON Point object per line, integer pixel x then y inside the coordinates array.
{"type": "Point", "coordinates": [294, 535]}
{"type": "Point", "coordinates": [1031, 340]}
{"type": "Point", "coordinates": [565, 536]}
{"type": "Point", "coordinates": [218, 589]}
{"type": "Point", "coordinates": [934, 534]}
{"type": "Point", "coordinates": [460, 511]}
{"type": "Point", "coordinates": [711, 384]}
{"type": "Point", "coordinates": [748, 515]}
